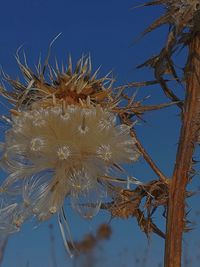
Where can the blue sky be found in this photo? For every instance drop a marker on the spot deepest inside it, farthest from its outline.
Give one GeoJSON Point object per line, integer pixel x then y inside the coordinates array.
{"type": "Point", "coordinates": [106, 30]}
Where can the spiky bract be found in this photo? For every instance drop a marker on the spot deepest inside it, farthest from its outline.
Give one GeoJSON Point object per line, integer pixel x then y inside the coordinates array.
{"type": "Point", "coordinates": [65, 85]}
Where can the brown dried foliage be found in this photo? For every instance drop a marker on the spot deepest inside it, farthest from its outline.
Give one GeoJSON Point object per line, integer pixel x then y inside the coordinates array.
{"type": "Point", "coordinates": [128, 203]}
{"type": "Point", "coordinates": [179, 14]}
{"type": "Point", "coordinates": [183, 17]}
{"type": "Point", "coordinates": [90, 241]}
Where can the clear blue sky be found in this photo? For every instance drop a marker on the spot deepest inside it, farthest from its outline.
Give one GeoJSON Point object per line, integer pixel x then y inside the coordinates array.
{"type": "Point", "coordinates": [106, 29]}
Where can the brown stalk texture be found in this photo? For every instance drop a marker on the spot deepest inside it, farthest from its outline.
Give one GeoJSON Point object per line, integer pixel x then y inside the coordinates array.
{"type": "Point", "coordinates": [183, 165]}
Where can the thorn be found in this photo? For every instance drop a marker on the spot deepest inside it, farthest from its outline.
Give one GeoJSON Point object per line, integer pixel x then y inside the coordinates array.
{"type": "Point", "coordinates": [30, 84]}
{"type": "Point", "coordinates": [133, 124]}
{"type": "Point", "coordinates": [54, 99]}
{"type": "Point", "coordinates": [81, 102]}
{"type": "Point", "coordinates": [57, 67]}
{"type": "Point", "coordinates": [133, 97]}
{"type": "Point", "coordinates": [14, 112]}
{"type": "Point", "coordinates": [95, 74]}
{"type": "Point", "coordinates": [69, 69]}
{"type": "Point", "coordinates": [90, 66]}
{"type": "Point", "coordinates": [88, 101]}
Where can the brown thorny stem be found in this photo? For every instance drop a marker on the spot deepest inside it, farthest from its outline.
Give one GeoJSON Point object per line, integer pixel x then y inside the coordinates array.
{"type": "Point", "coordinates": [188, 138]}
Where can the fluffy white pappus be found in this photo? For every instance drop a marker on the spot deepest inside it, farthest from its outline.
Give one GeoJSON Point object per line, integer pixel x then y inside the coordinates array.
{"type": "Point", "coordinates": [11, 218]}
{"type": "Point", "coordinates": [54, 153]}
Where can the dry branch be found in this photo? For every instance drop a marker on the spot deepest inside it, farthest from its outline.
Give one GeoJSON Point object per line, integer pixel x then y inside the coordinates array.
{"type": "Point", "coordinates": [188, 137]}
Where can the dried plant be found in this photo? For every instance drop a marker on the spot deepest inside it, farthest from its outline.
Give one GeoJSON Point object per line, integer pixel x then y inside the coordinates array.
{"type": "Point", "coordinates": [69, 133]}
{"type": "Point", "coordinates": [90, 241]}
{"type": "Point", "coordinates": [87, 248]}
{"type": "Point", "coordinates": [183, 18]}
{"type": "Point", "coordinates": [63, 140]}
{"type": "Point", "coordinates": [180, 15]}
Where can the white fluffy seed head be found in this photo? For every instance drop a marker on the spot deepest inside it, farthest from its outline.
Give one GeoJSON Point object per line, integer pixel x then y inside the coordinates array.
{"type": "Point", "coordinates": [60, 153]}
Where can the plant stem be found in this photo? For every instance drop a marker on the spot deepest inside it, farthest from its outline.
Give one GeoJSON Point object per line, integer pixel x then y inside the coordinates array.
{"type": "Point", "coordinates": [149, 160]}
{"type": "Point", "coordinates": [188, 138]}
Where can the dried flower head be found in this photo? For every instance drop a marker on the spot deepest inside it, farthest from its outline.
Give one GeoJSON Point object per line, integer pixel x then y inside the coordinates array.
{"type": "Point", "coordinates": [68, 86]}
{"type": "Point", "coordinates": [63, 141]}
{"type": "Point", "coordinates": [181, 15]}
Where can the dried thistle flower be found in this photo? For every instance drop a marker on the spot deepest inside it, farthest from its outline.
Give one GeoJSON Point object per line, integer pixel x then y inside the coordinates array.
{"type": "Point", "coordinates": [63, 140]}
